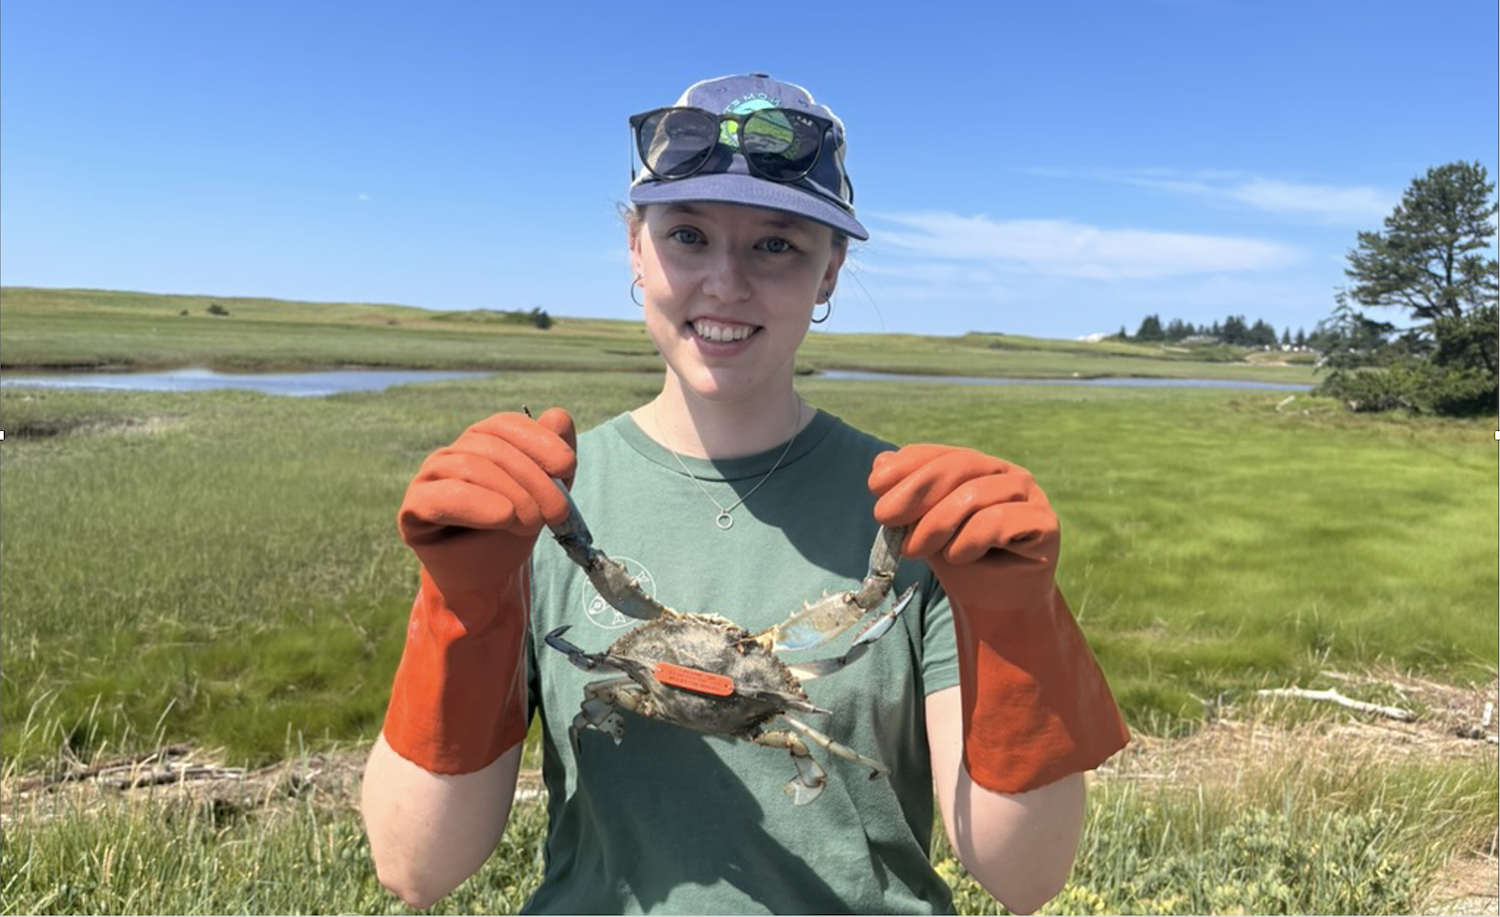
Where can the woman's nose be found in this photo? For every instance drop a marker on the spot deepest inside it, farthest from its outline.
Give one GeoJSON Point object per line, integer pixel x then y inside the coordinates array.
{"type": "Point", "coordinates": [727, 278]}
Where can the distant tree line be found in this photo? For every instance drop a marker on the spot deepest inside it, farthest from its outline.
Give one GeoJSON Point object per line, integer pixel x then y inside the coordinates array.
{"type": "Point", "coordinates": [1232, 330]}
{"type": "Point", "coordinates": [1432, 262]}
{"type": "Point", "coordinates": [536, 318]}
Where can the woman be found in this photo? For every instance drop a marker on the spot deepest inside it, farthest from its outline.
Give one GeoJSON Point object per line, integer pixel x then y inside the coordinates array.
{"type": "Point", "coordinates": [727, 493]}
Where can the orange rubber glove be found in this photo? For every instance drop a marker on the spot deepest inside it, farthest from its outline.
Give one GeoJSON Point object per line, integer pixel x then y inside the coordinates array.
{"type": "Point", "coordinates": [1036, 706]}
{"type": "Point", "coordinates": [472, 515]}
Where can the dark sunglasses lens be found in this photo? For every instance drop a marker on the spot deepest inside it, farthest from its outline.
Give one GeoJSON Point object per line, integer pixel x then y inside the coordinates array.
{"type": "Point", "coordinates": [781, 145]}
{"type": "Point", "coordinates": [675, 142]}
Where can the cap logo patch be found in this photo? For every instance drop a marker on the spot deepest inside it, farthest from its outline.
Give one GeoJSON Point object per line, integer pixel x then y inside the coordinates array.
{"type": "Point", "coordinates": [744, 105]}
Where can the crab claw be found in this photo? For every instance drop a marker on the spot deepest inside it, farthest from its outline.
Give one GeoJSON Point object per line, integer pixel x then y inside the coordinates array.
{"type": "Point", "coordinates": [819, 622]}
{"type": "Point", "coordinates": [861, 645]}
{"type": "Point", "coordinates": [586, 661]}
{"type": "Point", "coordinates": [615, 585]}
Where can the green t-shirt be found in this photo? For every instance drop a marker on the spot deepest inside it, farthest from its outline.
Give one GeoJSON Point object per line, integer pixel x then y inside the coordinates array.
{"type": "Point", "coordinates": [675, 821]}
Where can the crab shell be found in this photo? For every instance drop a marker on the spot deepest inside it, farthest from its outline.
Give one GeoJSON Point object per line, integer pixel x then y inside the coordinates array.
{"type": "Point", "coordinates": [706, 673]}
{"type": "Point", "coordinates": [706, 643]}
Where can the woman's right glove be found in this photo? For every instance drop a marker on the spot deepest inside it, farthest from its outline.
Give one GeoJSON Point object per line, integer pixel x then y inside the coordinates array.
{"type": "Point", "coordinates": [472, 515]}
{"type": "Point", "coordinates": [1036, 706]}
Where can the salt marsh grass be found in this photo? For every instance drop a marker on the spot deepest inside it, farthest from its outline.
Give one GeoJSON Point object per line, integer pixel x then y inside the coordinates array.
{"type": "Point", "coordinates": [1247, 817]}
{"type": "Point", "coordinates": [221, 570]}
{"type": "Point", "coordinates": [98, 328]}
{"type": "Point", "coordinates": [229, 557]}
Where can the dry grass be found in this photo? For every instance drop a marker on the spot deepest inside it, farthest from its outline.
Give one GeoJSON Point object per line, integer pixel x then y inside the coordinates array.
{"type": "Point", "coordinates": [1237, 743]}
{"type": "Point", "coordinates": [1297, 743]}
{"type": "Point", "coordinates": [1314, 753]}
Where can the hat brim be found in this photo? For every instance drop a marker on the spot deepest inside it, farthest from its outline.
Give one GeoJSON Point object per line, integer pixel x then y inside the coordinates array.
{"type": "Point", "coordinates": [749, 191]}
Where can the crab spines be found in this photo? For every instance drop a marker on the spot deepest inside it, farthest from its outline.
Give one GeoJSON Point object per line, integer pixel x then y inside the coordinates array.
{"type": "Point", "coordinates": [783, 699]}
{"type": "Point", "coordinates": [861, 645]}
{"type": "Point", "coordinates": [819, 622]}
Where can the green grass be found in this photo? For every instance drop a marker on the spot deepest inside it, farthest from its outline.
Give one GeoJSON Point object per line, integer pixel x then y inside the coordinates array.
{"type": "Point", "coordinates": [1211, 541]}
{"type": "Point", "coordinates": [1306, 836]}
{"type": "Point", "coordinates": [1324, 832]}
{"type": "Point", "coordinates": [96, 328]}
{"type": "Point", "coordinates": [226, 563]}
{"type": "Point", "coordinates": [168, 853]}
{"type": "Point", "coordinates": [222, 569]}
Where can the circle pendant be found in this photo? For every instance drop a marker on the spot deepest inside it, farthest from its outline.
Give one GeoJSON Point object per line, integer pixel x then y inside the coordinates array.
{"type": "Point", "coordinates": [724, 520]}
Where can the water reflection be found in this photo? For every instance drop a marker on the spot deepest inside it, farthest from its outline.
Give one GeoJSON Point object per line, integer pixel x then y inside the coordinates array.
{"type": "Point", "coordinates": [306, 384]}
{"type": "Point", "coordinates": [1107, 381]}
{"type": "Point", "coordinates": [331, 382]}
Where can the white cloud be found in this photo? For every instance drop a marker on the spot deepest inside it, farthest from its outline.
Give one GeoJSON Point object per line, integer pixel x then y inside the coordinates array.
{"type": "Point", "coordinates": [1333, 204]}
{"type": "Point", "coordinates": [1065, 248]}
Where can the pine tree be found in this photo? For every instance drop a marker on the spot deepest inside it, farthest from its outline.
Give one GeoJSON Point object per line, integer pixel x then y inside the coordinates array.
{"type": "Point", "coordinates": [1431, 260]}
{"type": "Point", "coordinates": [1150, 329]}
{"type": "Point", "coordinates": [1431, 257]}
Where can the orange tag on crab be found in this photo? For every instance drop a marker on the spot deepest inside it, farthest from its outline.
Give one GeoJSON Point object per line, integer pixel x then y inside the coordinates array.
{"type": "Point", "coordinates": [693, 679]}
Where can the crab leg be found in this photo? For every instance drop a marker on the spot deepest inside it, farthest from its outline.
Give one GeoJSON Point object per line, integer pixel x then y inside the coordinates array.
{"type": "Point", "coordinates": [616, 586]}
{"type": "Point", "coordinates": [861, 645]}
{"type": "Point", "coordinates": [810, 779]}
{"type": "Point", "coordinates": [602, 702]}
{"type": "Point", "coordinates": [821, 621]}
{"type": "Point", "coordinates": [834, 748]}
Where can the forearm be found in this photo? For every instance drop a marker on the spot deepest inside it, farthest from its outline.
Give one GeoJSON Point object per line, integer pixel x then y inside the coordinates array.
{"type": "Point", "coordinates": [1019, 846]}
{"type": "Point", "coordinates": [429, 832]}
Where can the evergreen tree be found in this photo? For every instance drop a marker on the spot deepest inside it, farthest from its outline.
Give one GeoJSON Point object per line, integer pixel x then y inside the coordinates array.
{"type": "Point", "coordinates": [1261, 334]}
{"type": "Point", "coordinates": [1234, 331]}
{"type": "Point", "coordinates": [1432, 260]}
{"type": "Point", "coordinates": [1150, 329]}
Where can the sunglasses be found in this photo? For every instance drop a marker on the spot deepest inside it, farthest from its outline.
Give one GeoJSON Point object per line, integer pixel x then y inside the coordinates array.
{"type": "Point", "coordinates": [777, 144]}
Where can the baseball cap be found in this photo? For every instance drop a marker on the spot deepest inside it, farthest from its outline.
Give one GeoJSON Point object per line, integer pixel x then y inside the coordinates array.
{"type": "Point", "coordinates": [824, 195]}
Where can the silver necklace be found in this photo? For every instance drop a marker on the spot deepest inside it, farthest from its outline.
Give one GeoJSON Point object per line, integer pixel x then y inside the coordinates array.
{"type": "Point", "coordinates": [724, 520]}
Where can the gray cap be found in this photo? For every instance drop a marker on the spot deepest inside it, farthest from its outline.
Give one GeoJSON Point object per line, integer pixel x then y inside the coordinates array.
{"type": "Point", "coordinates": [824, 194]}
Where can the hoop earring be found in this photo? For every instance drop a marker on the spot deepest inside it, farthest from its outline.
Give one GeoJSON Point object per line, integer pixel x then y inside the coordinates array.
{"type": "Point", "coordinates": [827, 303]}
{"type": "Point", "coordinates": [634, 283]}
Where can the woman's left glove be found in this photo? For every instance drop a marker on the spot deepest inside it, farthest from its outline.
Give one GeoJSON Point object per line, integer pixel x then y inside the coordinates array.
{"type": "Point", "coordinates": [1036, 706]}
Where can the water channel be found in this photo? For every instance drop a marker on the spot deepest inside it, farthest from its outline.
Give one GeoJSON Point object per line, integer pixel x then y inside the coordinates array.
{"type": "Point", "coordinates": [331, 382]}
{"type": "Point", "coordinates": [305, 384]}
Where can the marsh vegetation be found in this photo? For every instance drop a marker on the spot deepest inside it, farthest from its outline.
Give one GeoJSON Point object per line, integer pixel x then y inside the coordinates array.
{"type": "Point", "coordinates": [220, 572]}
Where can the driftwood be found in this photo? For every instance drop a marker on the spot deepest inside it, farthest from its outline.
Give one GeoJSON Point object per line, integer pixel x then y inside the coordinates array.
{"type": "Point", "coordinates": [1333, 696]}
{"type": "Point", "coordinates": [152, 769]}
{"type": "Point", "coordinates": [1481, 732]}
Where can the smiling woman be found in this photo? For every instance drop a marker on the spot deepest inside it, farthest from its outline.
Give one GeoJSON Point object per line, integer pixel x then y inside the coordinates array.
{"type": "Point", "coordinates": [727, 493]}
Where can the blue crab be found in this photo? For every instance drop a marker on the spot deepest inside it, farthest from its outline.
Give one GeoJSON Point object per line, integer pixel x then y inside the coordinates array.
{"type": "Point", "coordinates": [704, 672]}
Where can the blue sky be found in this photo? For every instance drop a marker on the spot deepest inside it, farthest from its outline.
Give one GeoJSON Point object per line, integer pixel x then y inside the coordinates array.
{"type": "Point", "coordinates": [1052, 169]}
